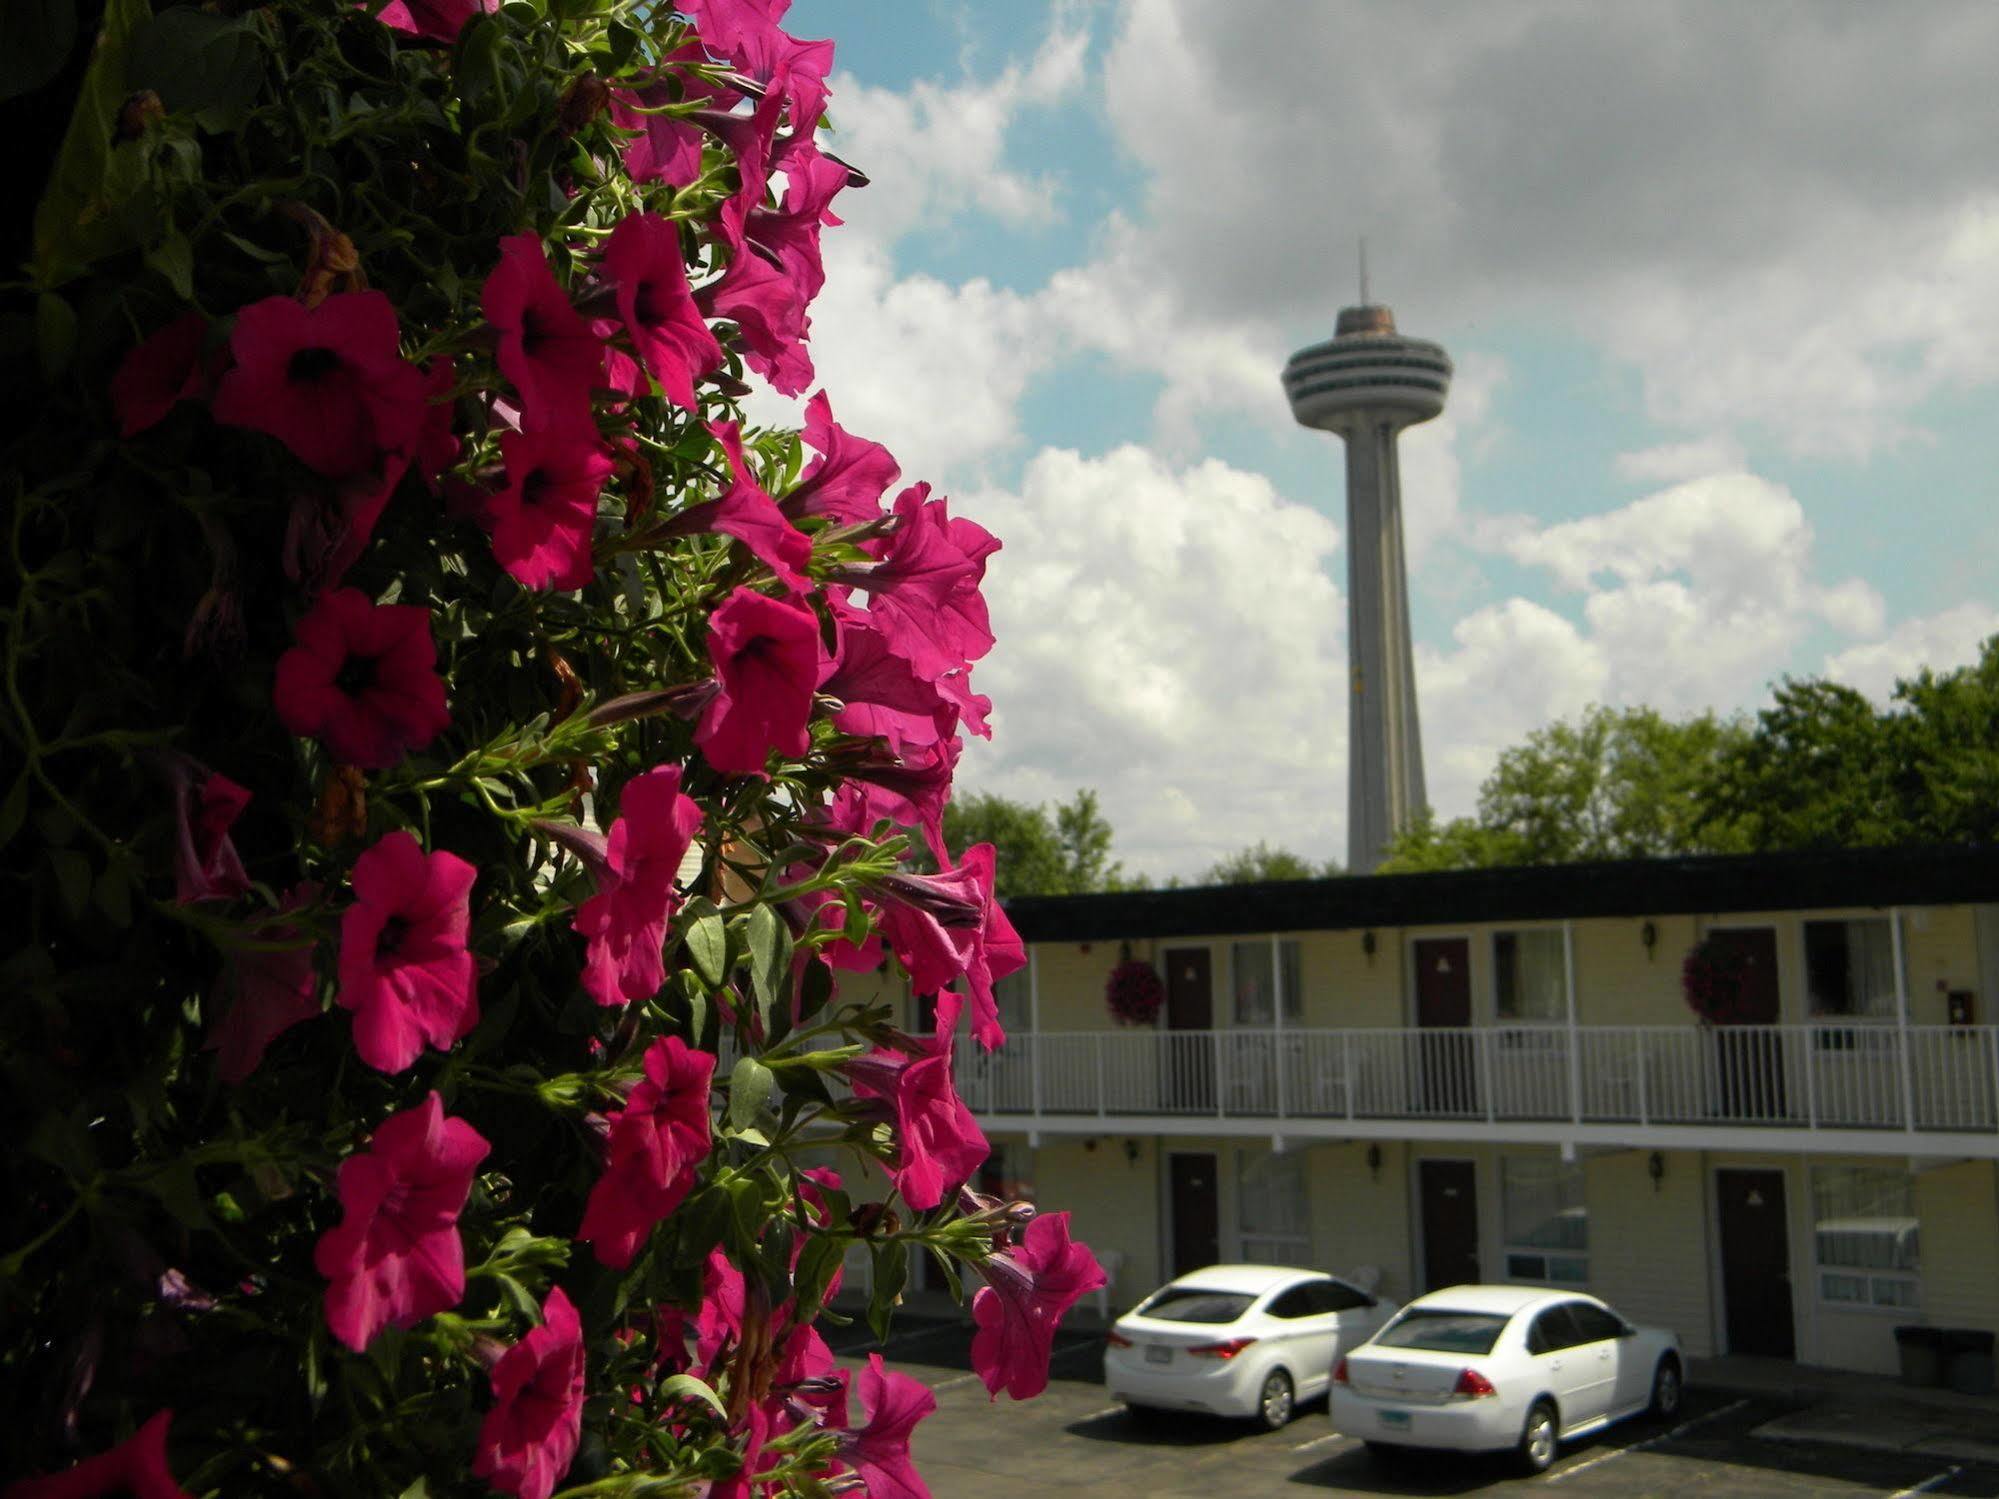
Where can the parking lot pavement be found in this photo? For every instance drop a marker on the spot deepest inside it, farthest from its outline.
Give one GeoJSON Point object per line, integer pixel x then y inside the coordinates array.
{"type": "Point", "coordinates": [1075, 1440]}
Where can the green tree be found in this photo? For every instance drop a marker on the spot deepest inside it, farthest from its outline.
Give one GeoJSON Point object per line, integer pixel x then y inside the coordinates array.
{"type": "Point", "coordinates": [1817, 771]}
{"type": "Point", "coordinates": [1260, 861]}
{"type": "Point", "coordinates": [1063, 850]}
{"type": "Point", "coordinates": [1615, 784]}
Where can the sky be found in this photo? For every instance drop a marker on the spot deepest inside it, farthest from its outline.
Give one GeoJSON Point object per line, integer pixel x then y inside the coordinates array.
{"type": "Point", "coordinates": [1721, 284]}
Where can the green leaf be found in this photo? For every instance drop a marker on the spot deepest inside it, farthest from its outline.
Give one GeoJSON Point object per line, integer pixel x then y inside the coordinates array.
{"type": "Point", "coordinates": [707, 942]}
{"type": "Point", "coordinates": [39, 36]}
{"type": "Point", "coordinates": [687, 1387]}
{"type": "Point", "coordinates": [173, 258]}
{"type": "Point", "coordinates": [770, 959]}
{"type": "Point", "coordinates": [180, 1194]}
{"type": "Point", "coordinates": [746, 1207]}
{"type": "Point", "coordinates": [55, 332]}
{"type": "Point", "coordinates": [702, 1222]}
{"type": "Point", "coordinates": [418, 1490]}
{"type": "Point", "coordinates": [891, 1275]}
{"type": "Point", "coordinates": [822, 1255]}
{"type": "Point", "coordinates": [72, 869]}
{"type": "Point", "coordinates": [77, 221]}
{"type": "Point", "coordinates": [203, 65]}
{"type": "Point", "coordinates": [519, 1298]}
{"type": "Point", "coordinates": [749, 1088]}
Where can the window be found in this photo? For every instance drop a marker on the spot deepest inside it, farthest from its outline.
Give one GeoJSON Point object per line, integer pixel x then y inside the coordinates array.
{"type": "Point", "coordinates": [1299, 1301]}
{"type": "Point", "coordinates": [1255, 991]}
{"type": "Point", "coordinates": [1593, 1323]}
{"type": "Point", "coordinates": [1008, 1173]}
{"type": "Point", "coordinates": [1338, 1296]}
{"type": "Point", "coordinates": [1531, 970]}
{"type": "Point", "coordinates": [1440, 1331]}
{"type": "Point", "coordinates": [1867, 1239]}
{"type": "Point", "coordinates": [1545, 1220]}
{"type": "Point", "coordinates": [1273, 1215]}
{"type": "Point", "coordinates": [1010, 996]}
{"type": "Point", "coordinates": [1850, 968]}
{"type": "Point", "coordinates": [1192, 1304]}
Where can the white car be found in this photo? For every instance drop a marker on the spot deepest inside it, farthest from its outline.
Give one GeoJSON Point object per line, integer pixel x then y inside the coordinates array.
{"type": "Point", "coordinates": [1238, 1340]}
{"type": "Point", "coordinates": [1487, 1368]}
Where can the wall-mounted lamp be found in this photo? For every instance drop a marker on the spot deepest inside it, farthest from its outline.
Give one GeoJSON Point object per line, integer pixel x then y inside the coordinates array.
{"type": "Point", "coordinates": [1131, 1151]}
{"type": "Point", "coordinates": [1655, 1167]}
{"type": "Point", "coordinates": [1374, 1161]}
{"type": "Point", "coordinates": [1649, 935]}
{"type": "Point", "coordinates": [1367, 945]}
{"type": "Point", "coordinates": [1090, 1143]}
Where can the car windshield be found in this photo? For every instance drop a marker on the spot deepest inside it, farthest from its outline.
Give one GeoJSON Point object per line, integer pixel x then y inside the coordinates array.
{"type": "Point", "coordinates": [1440, 1330]}
{"type": "Point", "coordinates": [1190, 1304]}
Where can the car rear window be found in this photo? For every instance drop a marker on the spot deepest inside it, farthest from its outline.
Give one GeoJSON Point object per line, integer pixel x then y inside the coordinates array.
{"type": "Point", "coordinates": [1185, 1304]}
{"type": "Point", "coordinates": [1439, 1330]}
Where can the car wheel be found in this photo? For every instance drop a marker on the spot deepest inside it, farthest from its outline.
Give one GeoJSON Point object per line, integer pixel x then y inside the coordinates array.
{"type": "Point", "coordinates": [1667, 1387]}
{"type": "Point", "coordinates": [1276, 1401]}
{"type": "Point", "coordinates": [1537, 1438]}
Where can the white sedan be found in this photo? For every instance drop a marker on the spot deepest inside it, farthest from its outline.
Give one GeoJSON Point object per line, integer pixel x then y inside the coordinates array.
{"type": "Point", "coordinates": [1238, 1340]}
{"type": "Point", "coordinates": [1488, 1368]}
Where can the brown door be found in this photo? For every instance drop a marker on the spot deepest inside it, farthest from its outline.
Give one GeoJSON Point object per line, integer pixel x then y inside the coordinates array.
{"type": "Point", "coordinates": [1755, 1262]}
{"type": "Point", "coordinates": [1197, 1214]}
{"type": "Point", "coordinates": [1447, 1081]}
{"type": "Point", "coordinates": [1189, 1059]}
{"type": "Point", "coordinates": [1750, 1064]}
{"type": "Point", "coordinates": [1448, 1191]}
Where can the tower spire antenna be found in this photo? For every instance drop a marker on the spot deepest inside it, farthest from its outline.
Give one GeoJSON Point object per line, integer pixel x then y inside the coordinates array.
{"type": "Point", "coordinates": [1363, 272]}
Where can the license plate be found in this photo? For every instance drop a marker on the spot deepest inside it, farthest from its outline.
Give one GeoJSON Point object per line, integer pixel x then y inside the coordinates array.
{"type": "Point", "coordinates": [1155, 1354]}
{"type": "Point", "coordinates": [1394, 1420]}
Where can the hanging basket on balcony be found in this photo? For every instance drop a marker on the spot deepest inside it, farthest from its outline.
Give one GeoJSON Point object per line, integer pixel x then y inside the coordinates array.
{"type": "Point", "coordinates": [1134, 992]}
{"type": "Point", "coordinates": [1711, 978]}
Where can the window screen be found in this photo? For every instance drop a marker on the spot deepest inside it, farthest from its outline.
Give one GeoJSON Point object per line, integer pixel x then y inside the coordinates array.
{"type": "Point", "coordinates": [1850, 968]}
{"type": "Point", "coordinates": [1867, 1239]}
{"type": "Point", "coordinates": [1545, 1220]}
{"type": "Point", "coordinates": [1256, 990]}
{"type": "Point", "coordinates": [1532, 973]}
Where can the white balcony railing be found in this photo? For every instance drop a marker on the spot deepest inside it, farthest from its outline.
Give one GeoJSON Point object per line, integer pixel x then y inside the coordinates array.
{"type": "Point", "coordinates": [1925, 1078]}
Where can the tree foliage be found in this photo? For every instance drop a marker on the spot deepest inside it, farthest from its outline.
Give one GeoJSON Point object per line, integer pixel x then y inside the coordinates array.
{"type": "Point", "coordinates": [1042, 850]}
{"type": "Point", "coordinates": [1260, 862]}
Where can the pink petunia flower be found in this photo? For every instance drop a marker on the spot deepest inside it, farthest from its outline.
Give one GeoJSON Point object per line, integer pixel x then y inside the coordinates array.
{"type": "Point", "coordinates": [530, 1436]}
{"type": "Point", "coordinates": [624, 923]}
{"type": "Point", "coordinates": [879, 1451]}
{"type": "Point", "coordinates": [657, 1142]}
{"type": "Point", "coordinates": [546, 349]}
{"type": "Point", "coordinates": [160, 373]}
{"type": "Point", "coordinates": [135, 1469]}
{"type": "Point", "coordinates": [405, 971]}
{"type": "Point", "coordinates": [767, 659]}
{"type": "Point", "coordinates": [746, 32]}
{"type": "Point", "coordinates": [938, 1142]}
{"type": "Point", "coordinates": [1026, 1293]}
{"type": "Point", "coordinates": [206, 864]}
{"type": "Point", "coordinates": [327, 381]}
{"type": "Point", "coordinates": [437, 445]}
{"type": "Point", "coordinates": [788, 235]}
{"type": "Point", "coordinates": [263, 993]}
{"type": "Point", "coordinates": [746, 512]}
{"type": "Point", "coordinates": [848, 478]}
{"type": "Point", "coordinates": [880, 694]}
{"type": "Point", "coordinates": [362, 680]}
{"type": "Point", "coordinates": [924, 593]}
{"type": "Point", "coordinates": [765, 305]}
{"type": "Point", "coordinates": [542, 521]}
{"type": "Point", "coordinates": [909, 788]}
{"type": "Point", "coordinates": [434, 20]}
{"type": "Point", "coordinates": [643, 258]}
{"type": "Point", "coordinates": [947, 926]}
{"type": "Point", "coordinates": [396, 1255]}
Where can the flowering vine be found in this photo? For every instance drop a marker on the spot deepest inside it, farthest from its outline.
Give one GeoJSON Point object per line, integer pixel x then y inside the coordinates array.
{"type": "Point", "coordinates": [458, 772]}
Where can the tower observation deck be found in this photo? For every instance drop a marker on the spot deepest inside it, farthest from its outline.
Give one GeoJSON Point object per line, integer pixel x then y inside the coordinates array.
{"type": "Point", "coordinates": [1367, 383]}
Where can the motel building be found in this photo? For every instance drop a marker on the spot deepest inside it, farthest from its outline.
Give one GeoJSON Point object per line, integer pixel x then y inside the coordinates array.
{"type": "Point", "coordinates": [1494, 1075]}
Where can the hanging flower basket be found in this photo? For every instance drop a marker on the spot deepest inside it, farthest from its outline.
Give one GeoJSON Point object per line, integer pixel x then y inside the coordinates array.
{"type": "Point", "coordinates": [1711, 978]}
{"type": "Point", "coordinates": [1134, 992]}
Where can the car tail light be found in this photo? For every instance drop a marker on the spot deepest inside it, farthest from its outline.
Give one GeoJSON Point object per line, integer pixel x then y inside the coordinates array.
{"type": "Point", "coordinates": [1117, 1339]}
{"type": "Point", "coordinates": [1472, 1385]}
{"type": "Point", "coordinates": [1340, 1372]}
{"type": "Point", "coordinates": [1220, 1350]}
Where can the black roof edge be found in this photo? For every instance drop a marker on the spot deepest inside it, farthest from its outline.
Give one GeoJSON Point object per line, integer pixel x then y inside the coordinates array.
{"type": "Point", "coordinates": [1794, 880]}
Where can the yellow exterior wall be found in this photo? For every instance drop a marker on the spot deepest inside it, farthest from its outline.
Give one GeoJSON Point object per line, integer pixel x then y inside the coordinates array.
{"type": "Point", "coordinates": [1113, 1204]}
{"type": "Point", "coordinates": [1959, 1209]}
{"type": "Point", "coordinates": [1648, 1253]}
{"type": "Point", "coordinates": [1942, 954]}
{"type": "Point", "coordinates": [1361, 1218]}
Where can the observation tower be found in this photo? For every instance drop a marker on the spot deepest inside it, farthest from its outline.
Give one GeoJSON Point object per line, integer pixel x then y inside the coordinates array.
{"type": "Point", "coordinates": [1367, 383]}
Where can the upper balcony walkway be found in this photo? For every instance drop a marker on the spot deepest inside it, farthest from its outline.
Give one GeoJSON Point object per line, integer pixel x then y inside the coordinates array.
{"type": "Point", "coordinates": [1862, 1088]}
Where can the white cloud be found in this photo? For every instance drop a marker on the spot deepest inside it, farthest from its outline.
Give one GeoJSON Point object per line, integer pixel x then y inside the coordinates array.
{"type": "Point", "coordinates": [1941, 642]}
{"type": "Point", "coordinates": [1172, 637]}
{"type": "Point", "coordinates": [1670, 462]}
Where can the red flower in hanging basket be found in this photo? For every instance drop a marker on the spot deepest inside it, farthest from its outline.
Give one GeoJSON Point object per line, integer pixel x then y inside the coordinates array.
{"type": "Point", "coordinates": [1711, 979]}
{"type": "Point", "coordinates": [1135, 992]}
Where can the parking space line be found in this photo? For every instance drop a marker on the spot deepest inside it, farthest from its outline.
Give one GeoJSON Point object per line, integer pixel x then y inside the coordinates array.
{"type": "Point", "coordinates": [1928, 1484]}
{"type": "Point", "coordinates": [952, 1384]}
{"type": "Point", "coordinates": [1648, 1444]}
{"type": "Point", "coordinates": [1331, 1436]}
{"type": "Point", "coordinates": [1109, 1410]}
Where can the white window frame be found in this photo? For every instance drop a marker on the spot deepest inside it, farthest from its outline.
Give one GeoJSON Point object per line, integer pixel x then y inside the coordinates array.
{"type": "Point", "coordinates": [1873, 1279]}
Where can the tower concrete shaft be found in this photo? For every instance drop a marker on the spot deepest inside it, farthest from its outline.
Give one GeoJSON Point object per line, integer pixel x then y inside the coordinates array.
{"type": "Point", "coordinates": [1367, 384]}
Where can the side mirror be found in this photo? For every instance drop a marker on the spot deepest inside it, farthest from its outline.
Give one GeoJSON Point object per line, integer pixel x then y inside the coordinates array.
{"type": "Point", "coordinates": [1626, 1330]}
